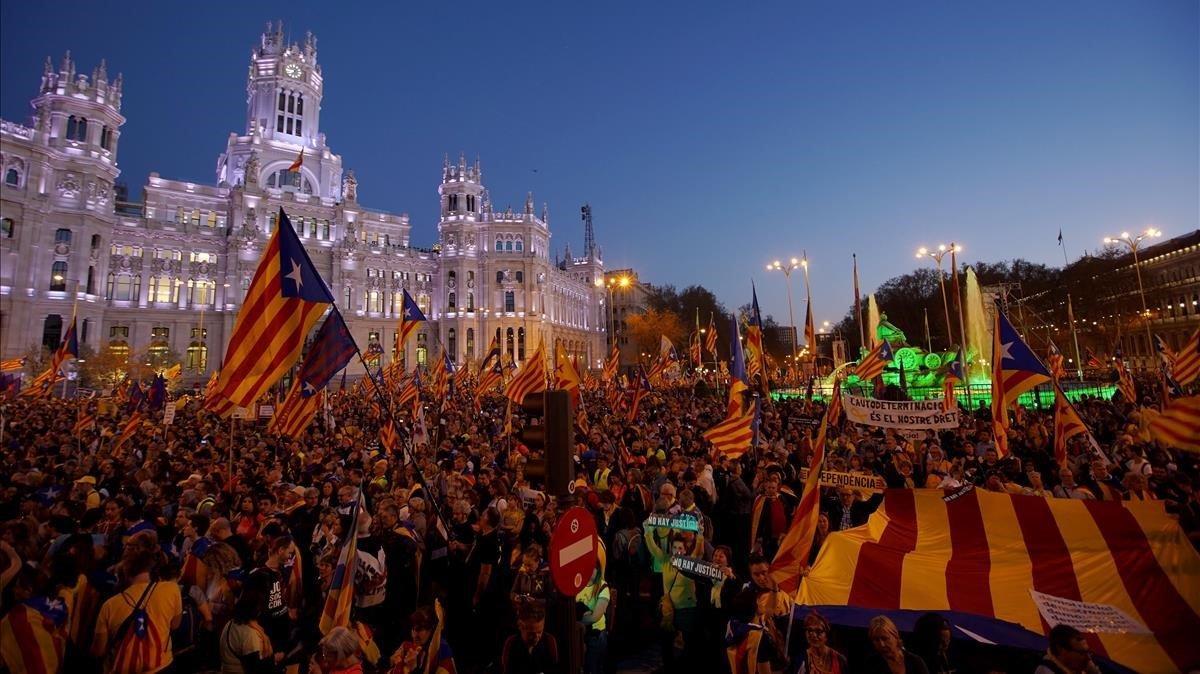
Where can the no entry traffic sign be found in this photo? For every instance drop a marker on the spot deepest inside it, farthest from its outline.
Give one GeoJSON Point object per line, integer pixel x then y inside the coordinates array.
{"type": "Point", "coordinates": [573, 551]}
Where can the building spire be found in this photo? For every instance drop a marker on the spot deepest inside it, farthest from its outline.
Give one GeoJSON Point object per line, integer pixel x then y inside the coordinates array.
{"type": "Point", "coordinates": [529, 203]}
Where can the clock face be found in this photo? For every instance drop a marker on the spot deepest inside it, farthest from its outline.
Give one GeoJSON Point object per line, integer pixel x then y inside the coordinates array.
{"type": "Point", "coordinates": [293, 71]}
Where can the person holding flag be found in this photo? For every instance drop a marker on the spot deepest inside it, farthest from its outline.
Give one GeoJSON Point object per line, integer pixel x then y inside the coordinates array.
{"type": "Point", "coordinates": [1015, 369]}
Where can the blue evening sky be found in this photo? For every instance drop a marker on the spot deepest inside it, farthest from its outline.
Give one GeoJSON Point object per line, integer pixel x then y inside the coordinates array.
{"type": "Point", "coordinates": [709, 137]}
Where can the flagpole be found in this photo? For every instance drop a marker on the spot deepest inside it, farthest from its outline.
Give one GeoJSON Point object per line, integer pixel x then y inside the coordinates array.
{"type": "Point", "coordinates": [1071, 313]}
{"type": "Point", "coordinates": [862, 335]}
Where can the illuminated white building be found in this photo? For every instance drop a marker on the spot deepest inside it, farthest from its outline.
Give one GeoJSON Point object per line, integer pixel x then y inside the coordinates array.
{"type": "Point", "coordinates": [168, 275]}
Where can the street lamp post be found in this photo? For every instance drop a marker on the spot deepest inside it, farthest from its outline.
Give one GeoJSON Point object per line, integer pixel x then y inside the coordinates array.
{"type": "Point", "coordinates": [937, 256]}
{"type": "Point", "coordinates": [787, 270]}
{"type": "Point", "coordinates": [1134, 243]}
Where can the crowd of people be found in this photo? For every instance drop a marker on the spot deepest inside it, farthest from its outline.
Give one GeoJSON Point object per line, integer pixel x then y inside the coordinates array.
{"type": "Point", "coordinates": [210, 544]}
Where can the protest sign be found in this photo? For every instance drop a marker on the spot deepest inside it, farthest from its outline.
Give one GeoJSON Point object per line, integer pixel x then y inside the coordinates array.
{"type": "Point", "coordinates": [698, 567]}
{"type": "Point", "coordinates": [681, 522]}
{"type": "Point", "coordinates": [168, 414]}
{"type": "Point", "coordinates": [914, 414]}
{"type": "Point", "coordinates": [830, 478]}
{"type": "Point", "coordinates": [1084, 616]}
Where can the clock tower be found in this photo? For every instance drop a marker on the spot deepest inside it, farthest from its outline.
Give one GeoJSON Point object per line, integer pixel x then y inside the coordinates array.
{"type": "Point", "coordinates": [284, 85]}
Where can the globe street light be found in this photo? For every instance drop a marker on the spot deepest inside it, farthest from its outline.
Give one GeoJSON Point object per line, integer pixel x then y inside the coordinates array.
{"type": "Point", "coordinates": [1134, 243]}
{"type": "Point", "coordinates": [787, 270]}
{"type": "Point", "coordinates": [937, 255]}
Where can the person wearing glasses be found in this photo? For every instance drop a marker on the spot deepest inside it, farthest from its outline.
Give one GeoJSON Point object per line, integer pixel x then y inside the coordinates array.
{"type": "Point", "coordinates": [1069, 653]}
{"type": "Point", "coordinates": [819, 658]}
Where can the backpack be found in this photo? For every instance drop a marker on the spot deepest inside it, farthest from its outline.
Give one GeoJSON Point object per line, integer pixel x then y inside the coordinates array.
{"type": "Point", "coordinates": [185, 637]}
{"type": "Point", "coordinates": [630, 548]}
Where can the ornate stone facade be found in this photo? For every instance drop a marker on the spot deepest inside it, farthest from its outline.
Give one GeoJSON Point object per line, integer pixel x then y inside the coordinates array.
{"type": "Point", "coordinates": [170, 273]}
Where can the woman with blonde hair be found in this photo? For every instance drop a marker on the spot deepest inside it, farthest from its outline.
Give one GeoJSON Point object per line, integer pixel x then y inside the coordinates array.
{"type": "Point", "coordinates": [889, 656]}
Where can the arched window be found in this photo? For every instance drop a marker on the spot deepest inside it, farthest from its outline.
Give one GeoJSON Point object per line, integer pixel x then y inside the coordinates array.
{"type": "Point", "coordinates": [12, 177]}
{"type": "Point", "coordinates": [520, 245]}
{"type": "Point", "coordinates": [508, 246]}
{"type": "Point", "coordinates": [76, 128]}
{"type": "Point", "coordinates": [470, 301]}
{"type": "Point", "coordinates": [58, 275]}
{"type": "Point", "coordinates": [499, 245]}
{"type": "Point", "coordinates": [499, 277]}
{"type": "Point", "coordinates": [452, 344]}
{"type": "Point", "coordinates": [52, 331]}
{"type": "Point", "coordinates": [106, 135]}
{"type": "Point", "coordinates": [197, 356]}
{"type": "Point", "coordinates": [422, 348]}
{"type": "Point", "coordinates": [470, 343]}
{"type": "Point", "coordinates": [201, 293]}
{"type": "Point", "coordinates": [521, 344]}
{"type": "Point", "coordinates": [91, 281]}
{"type": "Point", "coordinates": [510, 301]}
{"type": "Point", "coordinates": [124, 287]}
{"type": "Point", "coordinates": [509, 344]}
{"type": "Point", "coordinates": [290, 114]}
{"type": "Point", "coordinates": [450, 301]}
{"type": "Point", "coordinates": [95, 242]}
{"type": "Point", "coordinates": [62, 235]}
{"type": "Point", "coordinates": [7, 227]}
{"type": "Point", "coordinates": [161, 289]}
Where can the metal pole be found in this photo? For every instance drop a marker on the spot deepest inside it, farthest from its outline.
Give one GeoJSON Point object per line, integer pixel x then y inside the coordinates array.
{"type": "Point", "coordinates": [945, 304]}
{"type": "Point", "coordinates": [787, 274]}
{"type": "Point", "coordinates": [1137, 268]}
{"type": "Point", "coordinates": [1075, 338]}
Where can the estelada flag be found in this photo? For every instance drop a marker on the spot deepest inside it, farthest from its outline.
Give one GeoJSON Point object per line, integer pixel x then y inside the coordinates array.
{"type": "Point", "coordinates": [410, 316]}
{"type": "Point", "coordinates": [130, 430]}
{"type": "Point", "coordinates": [33, 636]}
{"type": "Point", "coordinates": [285, 299]}
{"type": "Point", "coordinates": [1015, 369]}
{"type": "Point", "coordinates": [340, 595]}
{"type": "Point", "coordinates": [981, 552]}
{"type": "Point", "coordinates": [531, 378]}
{"type": "Point", "coordinates": [566, 378]}
{"type": "Point", "coordinates": [1186, 365]}
{"type": "Point", "coordinates": [1177, 426]}
{"type": "Point", "coordinates": [796, 544]}
{"type": "Point", "coordinates": [389, 438]}
{"type": "Point", "coordinates": [1067, 424]}
{"type": "Point", "coordinates": [872, 364]}
{"type": "Point", "coordinates": [954, 375]}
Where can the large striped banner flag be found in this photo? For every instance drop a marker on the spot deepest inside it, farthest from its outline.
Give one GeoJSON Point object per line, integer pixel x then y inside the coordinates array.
{"type": "Point", "coordinates": [792, 557]}
{"type": "Point", "coordinates": [981, 552]}
{"type": "Point", "coordinates": [285, 299]}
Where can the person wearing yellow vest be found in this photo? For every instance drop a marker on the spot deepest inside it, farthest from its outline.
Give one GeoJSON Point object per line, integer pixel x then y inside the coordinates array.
{"type": "Point", "coordinates": [595, 597]}
{"type": "Point", "coordinates": [600, 476]}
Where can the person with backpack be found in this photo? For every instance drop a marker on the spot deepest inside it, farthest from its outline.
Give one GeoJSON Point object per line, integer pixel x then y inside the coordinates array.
{"type": "Point", "coordinates": [595, 598]}
{"type": "Point", "coordinates": [133, 631]}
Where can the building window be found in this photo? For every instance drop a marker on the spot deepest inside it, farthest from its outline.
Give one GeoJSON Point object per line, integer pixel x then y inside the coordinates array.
{"type": "Point", "coordinates": [12, 177]}
{"type": "Point", "coordinates": [520, 245]}
{"type": "Point", "coordinates": [452, 203]}
{"type": "Point", "coordinates": [106, 138]}
{"type": "Point", "coordinates": [470, 343]}
{"type": "Point", "coordinates": [423, 303]}
{"type": "Point", "coordinates": [62, 235]}
{"type": "Point", "coordinates": [95, 242]}
{"type": "Point", "coordinates": [124, 287]}
{"type": "Point", "coordinates": [58, 276]}
{"type": "Point", "coordinates": [201, 293]}
{"type": "Point", "coordinates": [452, 344]}
{"type": "Point", "coordinates": [520, 276]}
{"type": "Point", "coordinates": [323, 230]}
{"type": "Point", "coordinates": [470, 203]}
{"type": "Point", "coordinates": [422, 348]}
{"type": "Point", "coordinates": [201, 257]}
{"type": "Point", "coordinates": [499, 277]}
{"type": "Point", "coordinates": [84, 329]}
{"type": "Point", "coordinates": [375, 301]}
{"type": "Point", "coordinates": [159, 346]}
{"type": "Point", "coordinates": [52, 331]}
{"type": "Point", "coordinates": [470, 301]}
{"type": "Point", "coordinates": [348, 298]}
{"type": "Point", "coordinates": [128, 251]}
{"type": "Point", "coordinates": [76, 128]}
{"type": "Point", "coordinates": [451, 304]}
{"type": "Point", "coordinates": [91, 281]}
{"type": "Point", "coordinates": [285, 178]}
{"type": "Point", "coordinates": [7, 227]}
{"type": "Point", "coordinates": [289, 117]}
{"type": "Point", "coordinates": [510, 301]}
{"type": "Point", "coordinates": [197, 356]}
{"type": "Point", "coordinates": [499, 245]}
{"type": "Point", "coordinates": [521, 344]}
{"type": "Point", "coordinates": [509, 343]}
{"type": "Point", "coordinates": [508, 246]}
{"type": "Point", "coordinates": [119, 348]}
{"type": "Point", "coordinates": [161, 289]}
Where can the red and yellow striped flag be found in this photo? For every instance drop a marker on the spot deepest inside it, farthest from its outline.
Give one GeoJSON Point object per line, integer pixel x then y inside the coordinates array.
{"type": "Point", "coordinates": [296, 412]}
{"type": "Point", "coordinates": [612, 364]}
{"type": "Point", "coordinates": [131, 428]}
{"type": "Point", "coordinates": [285, 299]}
{"type": "Point", "coordinates": [566, 378]}
{"type": "Point", "coordinates": [1067, 424]}
{"type": "Point", "coordinates": [531, 378]}
{"type": "Point", "coordinates": [295, 166]}
{"type": "Point", "coordinates": [1177, 426]}
{"type": "Point", "coordinates": [389, 438]}
{"type": "Point", "coordinates": [792, 557]}
{"type": "Point", "coordinates": [12, 364]}
{"type": "Point", "coordinates": [871, 365]}
{"type": "Point", "coordinates": [86, 422]}
{"type": "Point", "coordinates": [1125, 382]}
{"type": "Point", "coordinates": [981, 552]}
{"type": "Point", "coordinates": [340, 595]}
{"type": "Point", "coordinates": [1186, 366]}
{"type": "Point", "coordinates": [33, 637]}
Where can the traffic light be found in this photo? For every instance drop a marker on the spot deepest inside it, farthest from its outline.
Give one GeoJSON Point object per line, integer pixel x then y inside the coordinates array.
{"type": "Point", "coordinates": [554, 436]}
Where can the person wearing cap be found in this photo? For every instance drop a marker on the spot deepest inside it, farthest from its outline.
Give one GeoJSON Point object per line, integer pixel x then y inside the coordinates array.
{"type": "Point", "coordinates": [85, 490]}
